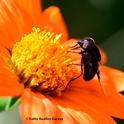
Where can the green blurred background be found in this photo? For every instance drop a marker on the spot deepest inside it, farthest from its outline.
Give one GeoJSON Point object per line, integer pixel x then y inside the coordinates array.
{"type": "Point", "coordinates": [101, 19]}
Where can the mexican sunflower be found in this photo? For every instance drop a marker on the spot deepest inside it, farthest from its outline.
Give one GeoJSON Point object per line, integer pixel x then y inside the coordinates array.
{"type": "Point", "coordinates": [37, 64]}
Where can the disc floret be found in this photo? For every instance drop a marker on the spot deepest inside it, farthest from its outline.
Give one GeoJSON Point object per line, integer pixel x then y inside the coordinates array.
{"type": "Point", "coordinates": [42, 63]}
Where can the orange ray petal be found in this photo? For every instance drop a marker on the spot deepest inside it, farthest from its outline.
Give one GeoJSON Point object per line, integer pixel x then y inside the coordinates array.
{"type": "Point", "coordinates": [9, 16]}
{"type": "Point", "coordinates": [117, 77]}
{"type": "Point", "coordinates": [111, 81]}
{"type": "Point", "coordinates": [116, 105]}
{"type": "Point", "coordinates": [32, 7]}
{"type": "Point", "coordinates": [72, 110]}
{"type": "Point", "coordinates": [53, 21]}
{"type": "Point", "coordinates": [13, 21]}
{"type": "Point", "coordinates": [73, 41]}
{"type": "Point", "coordinates": [90, 100]}
{"type": "Point", "coordinates": [39, 106]}
{"type": "Point", "coordinates": [90, 92]}
{"type": "Point", "coordinates": [9, 85]}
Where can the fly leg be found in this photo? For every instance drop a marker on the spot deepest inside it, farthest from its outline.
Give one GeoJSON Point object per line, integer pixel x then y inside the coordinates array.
{"type": "Point", "coordinates": [80, 74]}
{"type": "Point", "coordinates": [98, 76]}
{"type": "Point", "coordinates": [74, 47]}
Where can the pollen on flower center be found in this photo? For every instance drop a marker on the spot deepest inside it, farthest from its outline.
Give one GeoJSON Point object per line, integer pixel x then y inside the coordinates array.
{"type": "Point", "coordinates": [42, 63]}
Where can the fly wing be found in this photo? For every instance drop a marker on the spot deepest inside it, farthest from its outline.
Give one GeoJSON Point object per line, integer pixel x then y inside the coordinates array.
{"type": "Point", "coordinates": [90, 62]}
{"type": "Point", "coordinates": [95, 54]}
{"type": "Point", "coordinates": [90, 70]}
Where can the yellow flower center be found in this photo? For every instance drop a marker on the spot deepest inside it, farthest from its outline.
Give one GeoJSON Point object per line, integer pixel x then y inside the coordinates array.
{"type": "Point", "coordinates": [42, 63]}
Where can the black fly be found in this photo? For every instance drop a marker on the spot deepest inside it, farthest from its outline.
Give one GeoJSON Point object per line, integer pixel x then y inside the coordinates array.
{"type": "Point", "coordinates": [90, 58]}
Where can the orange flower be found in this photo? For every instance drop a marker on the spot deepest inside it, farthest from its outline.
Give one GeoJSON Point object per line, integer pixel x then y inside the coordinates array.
{"type": "Point", "coordinates": [82, 102]}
